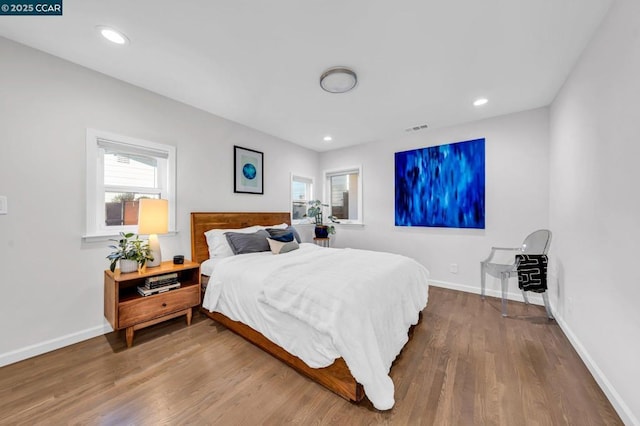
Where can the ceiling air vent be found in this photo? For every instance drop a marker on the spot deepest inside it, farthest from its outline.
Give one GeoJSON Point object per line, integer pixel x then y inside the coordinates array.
{"type": "Point", "coordinates": [416, 128]}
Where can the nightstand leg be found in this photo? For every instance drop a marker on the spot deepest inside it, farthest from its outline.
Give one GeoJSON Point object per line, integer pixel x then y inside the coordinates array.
{"type": "Point", "coordinates": [129, 334]}
{"type": "Point", "coordinates": [189, 314]}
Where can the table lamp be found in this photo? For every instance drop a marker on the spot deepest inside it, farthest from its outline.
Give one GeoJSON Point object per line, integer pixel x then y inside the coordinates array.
{"type": "Point", "coordinates": [153, 219]}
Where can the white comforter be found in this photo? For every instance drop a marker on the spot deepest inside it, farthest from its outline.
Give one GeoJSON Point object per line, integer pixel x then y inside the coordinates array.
{"type": "Point", "coordinates": [364, 301]}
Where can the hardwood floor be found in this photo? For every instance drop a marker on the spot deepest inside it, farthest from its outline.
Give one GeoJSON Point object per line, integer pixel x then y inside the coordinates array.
{"type": "Point", "coordinates": [466, 365]}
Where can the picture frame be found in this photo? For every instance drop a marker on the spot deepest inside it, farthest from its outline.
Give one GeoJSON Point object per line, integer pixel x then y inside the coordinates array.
{"type": "Point", "coordinates": [248, 175]}
{"type": "Point", "coordinates": [441, 186]}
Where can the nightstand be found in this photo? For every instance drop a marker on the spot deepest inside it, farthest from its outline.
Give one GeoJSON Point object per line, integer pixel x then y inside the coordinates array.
{"type": "Point", "coordinates": [322, 242]}
{"type": "Point", "coordinates": [125, 308]}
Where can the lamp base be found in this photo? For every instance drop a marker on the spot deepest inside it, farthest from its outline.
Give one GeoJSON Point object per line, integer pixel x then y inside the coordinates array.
{"type": "Point", "coordinates": [154, 245]}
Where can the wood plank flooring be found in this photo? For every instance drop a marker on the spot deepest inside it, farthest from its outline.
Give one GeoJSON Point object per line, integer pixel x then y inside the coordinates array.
{"type": "Point", "coordinates": [466, 365]}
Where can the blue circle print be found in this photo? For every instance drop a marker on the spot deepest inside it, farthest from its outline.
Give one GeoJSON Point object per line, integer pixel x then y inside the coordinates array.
{"type": "Point", "coordinates": [249, 171]}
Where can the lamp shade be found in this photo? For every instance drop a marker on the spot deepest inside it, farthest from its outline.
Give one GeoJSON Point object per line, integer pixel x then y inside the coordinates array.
{"type": "Point", "coordinates": [153, 216]}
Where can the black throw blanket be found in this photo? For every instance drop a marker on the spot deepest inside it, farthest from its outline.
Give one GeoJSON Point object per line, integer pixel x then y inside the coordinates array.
{"type": "Point", "coordinates": [532, 272]}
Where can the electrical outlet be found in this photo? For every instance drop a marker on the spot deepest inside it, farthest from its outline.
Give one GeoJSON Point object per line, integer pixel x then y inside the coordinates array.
{"type": "Point", "coordinates": [453, 268]}
{"type": "Point", "coordinates": [3, 204]}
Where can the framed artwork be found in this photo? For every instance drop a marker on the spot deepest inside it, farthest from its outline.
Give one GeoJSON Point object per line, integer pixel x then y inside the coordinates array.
{"type": "Point", "coordinates": [441, 186]}
{"type": "Point", "coordinates": [248, 172]}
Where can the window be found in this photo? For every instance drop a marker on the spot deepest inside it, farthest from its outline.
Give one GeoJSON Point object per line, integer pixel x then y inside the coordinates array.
{"type": "Point", "coordinates": [344, 194]}
{"type": "Point", "coordinates": [301, 194]}
{"type": "Point", "coordinates": [120, 171]}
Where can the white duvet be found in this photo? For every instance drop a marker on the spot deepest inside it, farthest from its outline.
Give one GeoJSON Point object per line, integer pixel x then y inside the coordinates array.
{"type": "Point", "coordinates": [363, 301]}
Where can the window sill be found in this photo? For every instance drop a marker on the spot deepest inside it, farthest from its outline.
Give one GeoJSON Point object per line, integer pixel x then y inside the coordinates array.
{"type": "Point", "coordinates": [94, 238]}
{"type": "Point", "coordinates": [347, 224]}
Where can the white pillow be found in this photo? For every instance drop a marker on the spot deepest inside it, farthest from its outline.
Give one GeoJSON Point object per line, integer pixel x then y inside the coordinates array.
{"type": "Point", "coordinates": [281, 226]}
{"type": "Point", "coordinates": [280, 247]}
{"type": "Point", "coordinates": [218, 244]}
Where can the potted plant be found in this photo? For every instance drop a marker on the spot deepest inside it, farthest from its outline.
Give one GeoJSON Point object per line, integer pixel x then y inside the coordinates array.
{"type": "Point", "coordinates": [315, 212]}
{"type": "Point", "coordinates": [132, 253]}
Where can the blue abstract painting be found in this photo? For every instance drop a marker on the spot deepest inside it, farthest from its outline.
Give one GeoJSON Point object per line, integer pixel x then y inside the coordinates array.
{"type": "Point", "coordinates": [441, 186]}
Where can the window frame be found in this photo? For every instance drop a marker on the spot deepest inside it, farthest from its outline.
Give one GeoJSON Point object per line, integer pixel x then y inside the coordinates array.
{"type": "Point", "coordinates": [304, 179]}
{"type": "Point", "coordinates": [327, 174]}
{"type": "Point", "coordinates": [96, 228]}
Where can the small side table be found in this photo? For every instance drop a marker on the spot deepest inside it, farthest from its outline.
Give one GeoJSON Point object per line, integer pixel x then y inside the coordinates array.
{"type": "Point", "coordinates": [125, 308]}
{"type": "Point", "coordinates": [322, 242]}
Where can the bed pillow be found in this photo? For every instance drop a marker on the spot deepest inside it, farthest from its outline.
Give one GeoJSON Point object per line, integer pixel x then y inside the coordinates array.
{"type": "Point", "coordinates": [281, 226]}
{"type": "Point", "coordinates": [280, 247]}
{"type": "Point", "coordinates": [285, 237]}
{"type": "Point", "coordinates": [277, 232]}
{"type": "Point", "coordinates": [242, 243]}
{"type": "Point", "coordinates": [218, 244]}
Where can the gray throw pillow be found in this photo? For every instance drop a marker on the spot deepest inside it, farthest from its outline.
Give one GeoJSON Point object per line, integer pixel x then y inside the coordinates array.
{"type": "Point", "coordinates": [248, 243]}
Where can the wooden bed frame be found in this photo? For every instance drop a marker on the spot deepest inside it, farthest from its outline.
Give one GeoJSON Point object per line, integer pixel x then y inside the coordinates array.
{"type": "Point", "coordinates": [335, 377]}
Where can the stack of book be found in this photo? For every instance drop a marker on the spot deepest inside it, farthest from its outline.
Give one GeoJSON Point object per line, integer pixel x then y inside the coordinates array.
{"type": "Point", "coordinates": [159, 284]}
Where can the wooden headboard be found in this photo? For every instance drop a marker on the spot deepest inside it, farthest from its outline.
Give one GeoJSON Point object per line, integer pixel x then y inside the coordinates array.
{"type": "Point", "coordinates": [201, 222]}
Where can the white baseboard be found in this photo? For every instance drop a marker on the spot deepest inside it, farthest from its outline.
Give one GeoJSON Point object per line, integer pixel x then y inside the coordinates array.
{"type": "Point", "coordinates": [53, 344]}
{"type": "Point", "coordinates": [614, 397]}
{"type": "Point", "coordinates": [628, 418]}
{"type": "Point", "coordinates": [534, 299]}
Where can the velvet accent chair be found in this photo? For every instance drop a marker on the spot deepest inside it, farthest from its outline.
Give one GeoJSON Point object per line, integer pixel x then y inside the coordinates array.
{"type": "Point", "coordinates": [537, 242]}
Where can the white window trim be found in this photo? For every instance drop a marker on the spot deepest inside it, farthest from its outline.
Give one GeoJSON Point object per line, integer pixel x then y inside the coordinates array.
{"type": "Point", "coordinates": [325, 190]}
{"type": "Point", "coordinates": [95, 230]}
{"type": "Point", "coordinates": [312, 181]}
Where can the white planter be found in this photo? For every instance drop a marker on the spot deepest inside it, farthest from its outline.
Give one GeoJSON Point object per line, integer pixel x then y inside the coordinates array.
{"type": "Point", "coordinates": [127, 266]}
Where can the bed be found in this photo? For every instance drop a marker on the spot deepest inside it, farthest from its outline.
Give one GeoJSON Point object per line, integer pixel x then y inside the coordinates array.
{"type": "Point", "coordinates": [315, 347]}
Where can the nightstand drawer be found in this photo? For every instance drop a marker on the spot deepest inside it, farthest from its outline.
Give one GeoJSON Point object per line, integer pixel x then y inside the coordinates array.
{"type": "Point", "coordinates": [143, 309]}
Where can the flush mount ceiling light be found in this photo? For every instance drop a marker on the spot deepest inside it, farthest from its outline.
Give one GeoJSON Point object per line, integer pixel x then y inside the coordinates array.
{"type": "Point", "coordinates": [338, 80]}
{"type": "Point", "coordinates": [480, 101]}
{"type": "Point", "coordinates": [113, 35]}
{"type": "Point", "coordinates": [327, 138]}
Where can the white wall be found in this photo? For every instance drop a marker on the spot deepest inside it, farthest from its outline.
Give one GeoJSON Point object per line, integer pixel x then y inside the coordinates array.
{"type": "Point", "coordinates": [595, 205]}
{"type": "Point", "coordinates": [517, 185]}
{"type": "Point", "coordinates": [51, 281]}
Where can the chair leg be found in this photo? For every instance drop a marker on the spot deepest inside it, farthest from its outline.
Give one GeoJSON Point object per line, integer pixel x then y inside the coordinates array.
{"type": "Point", "coordinates": [524, 295]}
{"type": "Point", "coordinates": [504, 279]}
{"type": "Point", "coordinates": [482, 279]}
{"type": "Point", "coordinates": [545, 297]}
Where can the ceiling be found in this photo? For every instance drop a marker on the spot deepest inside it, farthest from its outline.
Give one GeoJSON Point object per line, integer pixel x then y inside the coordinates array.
{"type": "Point", "coordinates": [258, 63]}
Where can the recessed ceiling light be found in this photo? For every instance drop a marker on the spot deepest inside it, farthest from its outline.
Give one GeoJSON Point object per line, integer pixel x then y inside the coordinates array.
{"type": "Point", "coordinates": [327, 138]}
{"type": "Point", "coordinates": [338, 80]}
{"type": "Point", "coordinates": [113, 35]}
{"type": "Point", "coordinates": [480, 101]}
